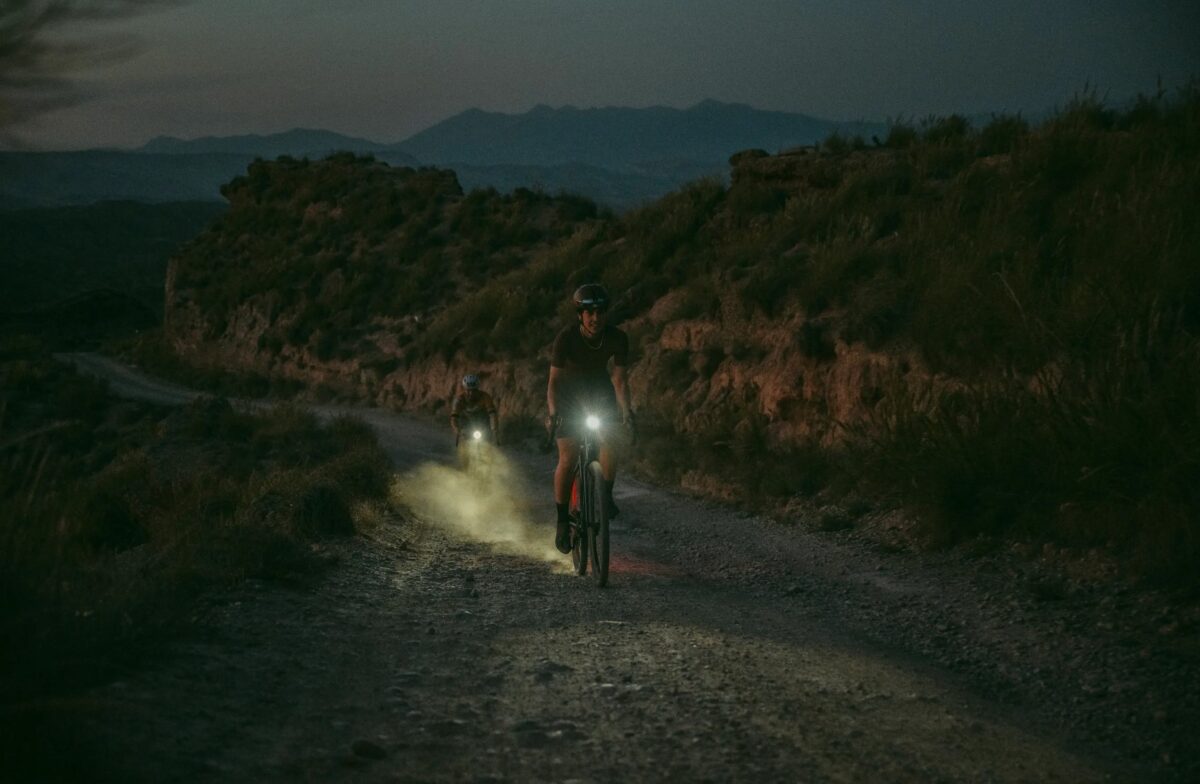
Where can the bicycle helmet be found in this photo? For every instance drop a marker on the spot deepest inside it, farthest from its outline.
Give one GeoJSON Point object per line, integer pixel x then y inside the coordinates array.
{"type": "Point", "coordinates": [470, 382]}
{"type": "Point", "coordinates": [591, 296]}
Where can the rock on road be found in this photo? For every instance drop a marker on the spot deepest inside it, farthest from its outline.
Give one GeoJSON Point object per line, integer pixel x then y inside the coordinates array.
{"type": "Point", "coordinates": [454, 644]}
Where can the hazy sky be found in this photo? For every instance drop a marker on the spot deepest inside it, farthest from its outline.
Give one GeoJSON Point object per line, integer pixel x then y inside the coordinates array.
{"type": "Point", "coordinates": [385, 69]}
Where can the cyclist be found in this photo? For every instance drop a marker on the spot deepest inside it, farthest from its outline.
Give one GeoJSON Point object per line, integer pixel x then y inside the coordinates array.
{"type": "Point", "coordinates": [580, 381]}
{"type": "Point", "coordinates": [472, 408]}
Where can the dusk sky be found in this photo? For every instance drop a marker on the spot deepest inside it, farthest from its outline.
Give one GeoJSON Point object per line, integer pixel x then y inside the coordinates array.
{"type": "Point", "coordinates": [385, 69]}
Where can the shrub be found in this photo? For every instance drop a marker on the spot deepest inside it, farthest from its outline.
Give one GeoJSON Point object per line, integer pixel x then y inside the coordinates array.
{"type": "Point", "coordinates": [674, 222]}
{"type": "Point", "coordinates": [836, 144]}
{"type": "Point", "coordinates": [104, 519]}
{"type": "Point", "coordinates": [900, 136]}
{"type": "Point", "coordinates": [322, 510]}
{"type": "Point", "coordinates": [108, 539]}
{"type": "Point", "coordinates": [943, 130]}
{"type": "Point", "coordinates": [755, 198]}
{"type": "Point", "coordinates": [1001, 135]}
{"type": "Point", "coordinates": [700, 300]}
{"type": "Point", "coordinates": [997, 256]}
{"type": "Point", "coordinates": [767, 285]}
{"type": "Point", "coordinates": [815, 341]}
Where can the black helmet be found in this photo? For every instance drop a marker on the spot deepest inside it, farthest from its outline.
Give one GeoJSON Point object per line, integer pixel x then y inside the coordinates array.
{"type": "Point", "coordinates": [589, 296]}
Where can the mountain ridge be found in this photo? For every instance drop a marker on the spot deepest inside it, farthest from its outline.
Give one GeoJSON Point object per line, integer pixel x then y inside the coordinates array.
{"type": "Point", "coordinates": [619, 156]}
{"type": "Point", "coordinates": [296, 142]}
{"type": "Point", "coordinates": [617, 137]}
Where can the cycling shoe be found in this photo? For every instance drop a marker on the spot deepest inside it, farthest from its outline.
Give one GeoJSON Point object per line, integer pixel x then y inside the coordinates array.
{"type": "Point", "coordinates": [562, 537]}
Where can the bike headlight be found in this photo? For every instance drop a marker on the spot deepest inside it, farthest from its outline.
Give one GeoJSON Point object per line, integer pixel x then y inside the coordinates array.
{"type": "Point", "coordinates": [593, 422]}
{"type": "Point", "coordinates": [478, 434]}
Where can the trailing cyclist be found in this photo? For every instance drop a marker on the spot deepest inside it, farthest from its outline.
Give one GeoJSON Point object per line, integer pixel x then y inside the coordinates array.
{"type": "Point", "coordinates": [581, 381]}
{"type": "Point", "coordinates": [473, 409]}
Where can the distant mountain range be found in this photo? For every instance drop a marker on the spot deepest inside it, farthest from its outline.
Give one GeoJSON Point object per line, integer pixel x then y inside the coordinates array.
{"type": "Point", "coordinates": [617, 156]}
{"type": "Point", "coordinates": [298, 143]}
{"type": "Point", "coordinates": [618, 138]}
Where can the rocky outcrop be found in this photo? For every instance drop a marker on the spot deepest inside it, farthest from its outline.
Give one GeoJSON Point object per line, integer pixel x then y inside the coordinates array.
{"type": "Point", "coordinates": [699, 375]}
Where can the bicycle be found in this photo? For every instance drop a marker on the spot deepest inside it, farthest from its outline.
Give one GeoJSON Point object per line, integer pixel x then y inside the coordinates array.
{"type": "Point", "coordinates": [474, 447]}
{"type": "Point", "coordinates": [588, 504]}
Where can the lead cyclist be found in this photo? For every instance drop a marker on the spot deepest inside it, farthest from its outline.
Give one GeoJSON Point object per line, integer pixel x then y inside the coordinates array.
{"type": "Point", "coordinates": [581, 381]}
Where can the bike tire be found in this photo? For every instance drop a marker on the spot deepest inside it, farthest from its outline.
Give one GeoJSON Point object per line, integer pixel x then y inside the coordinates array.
{"type": "Point", "coordinates": [598, 525]}
{"type": "Point", "coordinates": [579, 540]}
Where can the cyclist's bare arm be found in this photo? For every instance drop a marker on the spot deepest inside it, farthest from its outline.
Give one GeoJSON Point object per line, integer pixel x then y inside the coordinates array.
{"type": "Point", "coordinates": [493, 417]}
{"type": "Point", "coordinates": [552, 391]}
{"type": "Point", "coordinates": [620, 381]}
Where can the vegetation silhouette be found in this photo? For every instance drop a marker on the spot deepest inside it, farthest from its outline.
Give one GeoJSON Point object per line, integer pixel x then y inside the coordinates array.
{"type": "Point", "coordinates": [1027, 296]}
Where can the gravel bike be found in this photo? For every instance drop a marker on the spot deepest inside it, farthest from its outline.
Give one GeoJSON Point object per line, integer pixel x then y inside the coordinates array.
{"type": "Point", "coordinates": [589, 505]}
{"type": "Point", "coordinates": [474, 446]}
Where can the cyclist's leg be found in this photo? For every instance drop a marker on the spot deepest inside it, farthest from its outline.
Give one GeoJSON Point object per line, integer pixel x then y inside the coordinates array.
{"type": "Point", "coordinates": [564, 471]}
{"type": "Point", "coordinates": [608, 467]}
{"type": "Point", "coordinates": [563, 474]}
{"type": "Point", "coordinates": [608, 462]}
{"type": "Point", "coordinates": [610, 450]}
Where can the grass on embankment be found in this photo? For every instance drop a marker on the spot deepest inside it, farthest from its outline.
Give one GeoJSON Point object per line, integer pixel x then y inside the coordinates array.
{"type": "Point", "coordinates": [1059, 295]}
{"type": "Point", "coordinates": [115, 515]}
{"type": "Point", "coordinates": [1042, 285]}
{"type": "Point", "coordinates": [1046, 279]}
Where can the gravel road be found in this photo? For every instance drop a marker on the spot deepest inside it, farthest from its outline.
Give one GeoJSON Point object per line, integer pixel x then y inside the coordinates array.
{"type": "Point", "coordinates": [452, 643]}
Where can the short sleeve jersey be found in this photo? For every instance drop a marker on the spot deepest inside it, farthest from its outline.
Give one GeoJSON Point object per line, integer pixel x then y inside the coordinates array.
{"type": "Point", "coordinates": [481, 407]}
{"type": "Point", "coordinates": [585, 363]}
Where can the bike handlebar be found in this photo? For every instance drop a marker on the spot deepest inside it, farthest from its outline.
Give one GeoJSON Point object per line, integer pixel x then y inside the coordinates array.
{"type": "Point", "coordinates": [555, 422]}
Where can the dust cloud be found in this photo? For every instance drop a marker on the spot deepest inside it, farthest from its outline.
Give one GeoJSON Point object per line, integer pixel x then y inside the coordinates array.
{"type": "Point", "coordinates": [483, 499]}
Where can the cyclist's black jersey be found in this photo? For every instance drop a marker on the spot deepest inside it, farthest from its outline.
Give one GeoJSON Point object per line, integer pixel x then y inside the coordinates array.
{"type": "Point", "coordinates": [584, 365]}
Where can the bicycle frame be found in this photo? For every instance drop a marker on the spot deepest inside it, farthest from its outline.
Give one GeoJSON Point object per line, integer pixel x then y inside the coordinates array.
{"type": "Point", "coordinates": [589, 518]}
{"type": "Point", "coordinates": [473, 445]}
{"type": "Point", "coordinates": [582, 486]}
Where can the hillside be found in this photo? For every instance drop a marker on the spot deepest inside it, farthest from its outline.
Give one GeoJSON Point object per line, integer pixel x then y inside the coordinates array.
{"type": "Point", "coordinates": [344, 261]}
{"type": "Point", "coordinates": [992, 328]}
{"type": "Point", "coordinates": [117, 516]}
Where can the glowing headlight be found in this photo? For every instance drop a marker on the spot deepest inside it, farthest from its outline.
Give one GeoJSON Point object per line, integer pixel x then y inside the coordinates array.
{"type": "Point", "coordinates": [593, 422]}
{"type": "Point", "coordinates": [478, 434]}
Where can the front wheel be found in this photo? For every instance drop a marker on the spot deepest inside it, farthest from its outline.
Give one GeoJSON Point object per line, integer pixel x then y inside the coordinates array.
{"type": "Point", "coordinates": [579, 540]}
{"type": "Point", "coordinates": [597, 529]}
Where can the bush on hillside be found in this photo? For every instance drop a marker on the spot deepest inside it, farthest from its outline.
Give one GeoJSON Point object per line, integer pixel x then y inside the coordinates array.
{"type": "Point", "coordinates": [1001, 258]}
{"type": "Point", "coordinates": [113, 514]}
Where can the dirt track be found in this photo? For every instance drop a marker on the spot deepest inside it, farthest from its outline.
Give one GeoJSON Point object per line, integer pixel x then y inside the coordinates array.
{"type": "Point", "coordinates": [455, 645]}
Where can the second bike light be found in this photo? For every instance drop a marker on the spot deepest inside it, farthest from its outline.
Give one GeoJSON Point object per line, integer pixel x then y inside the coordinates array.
{"type": "Point", "coordinates": [477, 435]}
{"type": "Point", "coordinates": [593, 422]}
